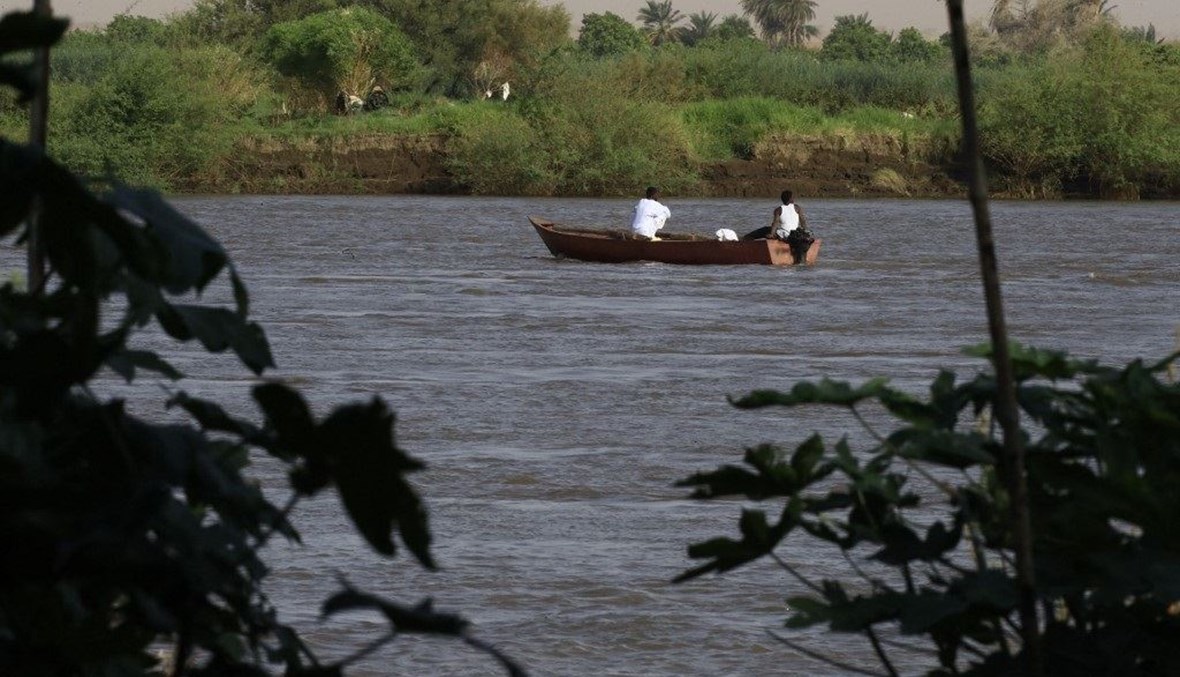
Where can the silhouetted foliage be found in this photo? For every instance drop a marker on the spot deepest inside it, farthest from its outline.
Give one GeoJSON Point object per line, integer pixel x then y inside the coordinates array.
{"type": "Point", "coordinates": [922, 519]}
{"type": "Point", "coordinates": [122, 535]}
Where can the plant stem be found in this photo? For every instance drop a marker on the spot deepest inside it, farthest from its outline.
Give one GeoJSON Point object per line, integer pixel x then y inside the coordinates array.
{"type": "Point", "coordinates": [881, 652]}
{"type": "Point", "coordinates": [38, 126]}
{"type": "Point", "coordinates": [816, 655]}
{"type": "Point", "coordinates": [1012, 463]}
{"type": "Point", "coordinates": [794, 572]}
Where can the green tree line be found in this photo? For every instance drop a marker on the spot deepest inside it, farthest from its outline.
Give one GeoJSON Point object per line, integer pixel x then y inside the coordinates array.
{"type": "Point", "coordinates": [125, 535]}
{"type": "Point", "coordinates": [1071, 101]}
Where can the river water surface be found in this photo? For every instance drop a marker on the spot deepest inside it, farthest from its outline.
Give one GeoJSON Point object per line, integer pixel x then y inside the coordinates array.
{"type": "Point", "coordinates": [556, 402]}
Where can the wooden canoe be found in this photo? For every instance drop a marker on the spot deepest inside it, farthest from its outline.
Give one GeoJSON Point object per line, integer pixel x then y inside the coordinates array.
{"type": "Point", "coordinates": [620, 246]}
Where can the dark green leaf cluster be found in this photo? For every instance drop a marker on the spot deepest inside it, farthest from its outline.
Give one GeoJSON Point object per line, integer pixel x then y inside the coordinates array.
{"type": "Point", "coordinates": [608, 34]}
{"type": "Point", "coordinates": [1103, 449]}
{"type": "Point", "coordinates": [347, 50]}
{"type": "Point", "coordinates": [854, 38]}
{"type": "Point", "coordinates": [121, 535]}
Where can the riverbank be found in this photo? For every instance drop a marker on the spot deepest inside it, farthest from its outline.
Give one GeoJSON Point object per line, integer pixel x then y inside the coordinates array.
{"type": "Point", "coordinates": [815, 165]}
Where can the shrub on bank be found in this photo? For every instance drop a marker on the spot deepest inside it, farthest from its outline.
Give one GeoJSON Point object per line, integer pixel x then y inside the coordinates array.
{"type": "Point", "coordinates": [731, 128]}
{"type": "Point", "coordinates": [601, 141]}
{"type": "Point", "coordinates": [151, 115]}
{"type": "Point", "coordinates": [136, 119]}
{"type": "Point", "coordinates": [498, 153]}
{"type": "Point", "coordinates": [1103, 115]}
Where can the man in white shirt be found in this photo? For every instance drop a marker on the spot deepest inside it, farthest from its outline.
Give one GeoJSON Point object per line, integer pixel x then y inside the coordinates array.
{"type": "Point", "coordinates": [786, 217]}
{"type": "Point", "coordinates": [650, 215]}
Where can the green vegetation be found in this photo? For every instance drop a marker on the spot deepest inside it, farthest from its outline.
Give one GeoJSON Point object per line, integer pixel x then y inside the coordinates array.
{"type": "Point", "coordinates": [124, 536]}
{"type": "Point", "coordinates": [1103, 449]}
{"type": "Point", "coordinates": [350, 50]}
{"type": "Point", "coordinates": [1070, 103]}
{"type": "Point", "coordinates": [608, 34]}
{"type": "Point", "coordinates": [1098, 113]}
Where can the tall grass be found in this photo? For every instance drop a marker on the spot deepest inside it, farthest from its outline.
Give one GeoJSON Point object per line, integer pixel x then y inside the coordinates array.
{"type": "Point", "coordinates": [748, 69]}
{"type": "Point", "coordinates": [724, 129]}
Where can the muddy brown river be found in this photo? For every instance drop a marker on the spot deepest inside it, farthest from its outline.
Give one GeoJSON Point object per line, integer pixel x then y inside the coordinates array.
{"type": "Point", "coordinates": [556, 402]}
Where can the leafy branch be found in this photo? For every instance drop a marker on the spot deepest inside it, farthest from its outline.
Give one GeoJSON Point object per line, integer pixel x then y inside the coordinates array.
{"type": "Point", "coordinates": [122, 534]}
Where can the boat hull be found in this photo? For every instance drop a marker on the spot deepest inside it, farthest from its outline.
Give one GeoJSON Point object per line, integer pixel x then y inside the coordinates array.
{"type": "Point", "coordinates": [619, 247]}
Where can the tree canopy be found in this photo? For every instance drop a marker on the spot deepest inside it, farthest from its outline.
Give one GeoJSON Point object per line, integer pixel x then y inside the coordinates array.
{"type": "Point", "coordinates": [347, 50]}
{"type": "Point", "coordinates": [784, 23]}
{"type": "Point", "coordinates": [854, 38]}
{"type": "Point", "coordinates": [608, 34]}
{"type": "Point", "coordinates": [455, 37]}
{"type": "Point", "coordinates": [661, 22]}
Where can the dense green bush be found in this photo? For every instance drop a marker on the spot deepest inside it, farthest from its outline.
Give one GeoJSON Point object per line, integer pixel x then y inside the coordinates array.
{"type": "Point", "coordinates": [498, 153]}
{"type": "Point", "coordinates": [1103, 113]}
{"type": "Point", "coordinates": [154, 116]}
{"type": "Point", "coordinates": [609, 34]}
{"type": "Point", "coordinates": [456, 36]}
{"type": "Point", "coordinates": [84, 57]}
{"type": "Point", "coordinates": [348, 50]}
{"type": "Point", "coordinates": [729, 128]}
{"type": "Point", "coordinates": [747, 68]}
{"type": "Point", "coordinates": [589, 136]}
{"type": "Point", "coordinates": [137, 30]}
{"type": "Point", "coordinates": [911, 46]}
{"type": "Point", "coordinates": [604, 139]}
{"type": "Point", "coordinates": [854, 38]}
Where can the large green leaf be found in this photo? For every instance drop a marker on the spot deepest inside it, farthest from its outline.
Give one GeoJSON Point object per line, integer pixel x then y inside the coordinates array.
{"type": "Point", "coordinates": [942, 447]}
{"type": "Point", "coordinates": [369, 471]}
{"type": "Point", "coordinates": [194, 258]}
{"type": "Point", "coordinates": [920, 612]}
{"type": "Point", "coordinates": [421, 619]}
{"type": "Point", "coordinates": [759, 538]}
{"type": "Point", "coordinates": [902, 545]}
{"type": "Point", "coordinates": [218, 329]}
{"type": "Point", "coordinates": [212, 417]}
{"type": "Point", "coordinates": [808, 611]}
{"type": "Point", "coordinates": [289, 417]}
{"type": "Point", "coordinates": [1029, 362]}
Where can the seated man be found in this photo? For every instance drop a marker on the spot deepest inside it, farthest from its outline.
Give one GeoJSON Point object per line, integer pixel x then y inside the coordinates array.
{"type": "Point", "coordinates": [785, 219]}
{"type": "Point", "coordinates": [650, 215]}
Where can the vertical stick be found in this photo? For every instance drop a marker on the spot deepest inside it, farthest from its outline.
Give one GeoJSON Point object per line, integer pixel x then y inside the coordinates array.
{"type": "Point", "coordinates": [1012, 464]}
{"type": "Point", "coordinates": [38, 126]}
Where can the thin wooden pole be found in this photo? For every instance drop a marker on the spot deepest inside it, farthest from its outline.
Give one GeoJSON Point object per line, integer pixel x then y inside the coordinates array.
{"type": "Point", "coordinates": [1012, 464]}
{"type": "Point", "coordinates": [38, 135]}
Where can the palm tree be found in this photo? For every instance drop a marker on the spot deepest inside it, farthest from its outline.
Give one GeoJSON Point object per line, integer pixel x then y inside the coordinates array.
{"type": "Point", "coordinates": [700, 26]}
{"type": "Point", "coordinates": [659, 22]}
{"type": "Point", "coordinates": [783, 22]}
